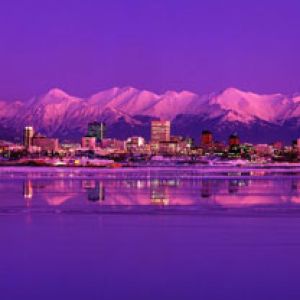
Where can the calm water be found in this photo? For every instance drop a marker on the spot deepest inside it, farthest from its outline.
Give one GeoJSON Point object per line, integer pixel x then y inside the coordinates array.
{"type": "Point", "coordinates": [149, 234]}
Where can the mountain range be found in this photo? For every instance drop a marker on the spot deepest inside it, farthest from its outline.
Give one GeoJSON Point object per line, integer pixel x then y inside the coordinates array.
{"type": "Point", "coordinates": [128, 111]}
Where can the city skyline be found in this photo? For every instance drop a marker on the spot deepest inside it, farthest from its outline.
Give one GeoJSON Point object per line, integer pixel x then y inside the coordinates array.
{"type": "Point", "coordinates": [40, 150]}
{"type": "Point", "coordinates": [149, 149]}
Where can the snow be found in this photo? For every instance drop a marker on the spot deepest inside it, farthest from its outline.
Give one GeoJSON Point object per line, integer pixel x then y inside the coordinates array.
{"type": "Point", "coordinates": [248, 106]}
{"type": "Point", "coordinates": [56, 106]}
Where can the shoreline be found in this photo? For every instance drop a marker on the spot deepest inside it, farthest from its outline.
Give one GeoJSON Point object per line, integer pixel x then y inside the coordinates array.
{"type": "Point", "coordinates": [274, 172]}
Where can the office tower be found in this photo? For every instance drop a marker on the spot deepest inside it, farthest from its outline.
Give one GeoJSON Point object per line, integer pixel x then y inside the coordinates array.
{"type": "Point", "coordinates": [206, 138]}
{"type": "Point", "coordinates": [160, 131]}
{"type": "Point", "coordinates": [97, 130]}
{"type": "Point", "coordinates": [234, 140]}
{"type": "Point", "coordinates": [28, 136]}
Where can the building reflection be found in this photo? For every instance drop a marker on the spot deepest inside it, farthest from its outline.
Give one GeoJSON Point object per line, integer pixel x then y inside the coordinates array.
{"type": "Point", "coordinates": [206, 188]}
{"type": "Point", "coordinates": [295, 186]}
{"type": "Point", "coordinates": [95, 190]}
{"type": "Point", "coordinates": [235, 185]}
{"type": "Point", "coordinates": [27, 189]}
{"type": "Point", "coordinates": [226, 192]}
{"type": "Point", "coordinates": [159, 192]}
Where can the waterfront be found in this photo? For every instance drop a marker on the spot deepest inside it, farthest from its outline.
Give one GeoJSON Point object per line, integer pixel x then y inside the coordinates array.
{"type": "Point", "coordinates": [163, 233]}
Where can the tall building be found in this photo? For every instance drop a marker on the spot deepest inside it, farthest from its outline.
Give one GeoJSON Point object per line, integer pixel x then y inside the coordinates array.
{"type": "Point", "coordinates": [28, 136]}
{"type": "Point", "coordinates": [234, 140]}
{"type": "Point", "coordinates": [206, 138]}
{"type": "Point", "coordinates": [97, 130]}
{"type": "Point", "coordinates": [160, 131]}
{"type": "Point", "coordinates": [234, 146]}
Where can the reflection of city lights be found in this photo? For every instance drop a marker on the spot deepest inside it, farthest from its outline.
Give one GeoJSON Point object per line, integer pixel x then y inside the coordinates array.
{"type": "Point", "coordinates": [155, 182]}
{"type": "Point", "coordinates": [88, 184]}
{"type": "Point", "coordinates": [27, 189]}
{"type": "Point", "coordinates": [161, 191]}
{"type": "Point", "coordinates": [206, 189]}
{"type": "Point", "coordinates": [160, 201]}
{"type": "Point", "coordinates": [57, 200]}
{"type": "Point", "coordinates": [140, 184]}
{"type": "Point", "coordinates": [96, 192]}
{"type": "Point", "coordinates": [101, 192]}
{"type": "Point", "coordinates": [172, 182]}
{"type": "Point", "coordinates": [159, 195]}
{"type": "Point", "coordinates": [257, 173]}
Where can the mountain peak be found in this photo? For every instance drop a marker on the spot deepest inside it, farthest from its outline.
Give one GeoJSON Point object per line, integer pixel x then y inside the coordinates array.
{"type": "Point", "coordinates": [235, 91]}
{"type": "Point", "coordinates": [58, 93]}
{"type": "Point", "coordinates": [57, 113]}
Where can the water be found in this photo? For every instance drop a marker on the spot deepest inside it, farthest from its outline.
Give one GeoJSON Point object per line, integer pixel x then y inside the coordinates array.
{"type": "Point", "coordinates": [149, 234]}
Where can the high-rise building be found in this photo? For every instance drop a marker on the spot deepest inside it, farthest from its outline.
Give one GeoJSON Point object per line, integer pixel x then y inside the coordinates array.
{"type": "Point", "coordinates": [97, 130]}
{"type": "Point", "coordinates": [28, 136]}
{"type": "Point", "coordinates": [234, 140]}
{"type": "Point", "coordinates": [160, 131]}
{"type": "Point", "coordinates": [234, 146]}
{"type": "Point", "coordinates": [206, 138]}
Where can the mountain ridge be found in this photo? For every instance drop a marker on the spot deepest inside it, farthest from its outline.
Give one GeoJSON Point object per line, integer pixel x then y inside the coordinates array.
{"type": "Point", "coordinates": [57, 113]}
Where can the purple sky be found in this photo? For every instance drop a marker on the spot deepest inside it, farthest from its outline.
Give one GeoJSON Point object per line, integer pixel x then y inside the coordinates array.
{"type": "Point", "coordinates": [203, 46]}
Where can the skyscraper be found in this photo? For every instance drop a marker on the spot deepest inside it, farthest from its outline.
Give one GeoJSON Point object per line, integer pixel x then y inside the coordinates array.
{"type": "Point", "coordinates": [206, 138]}
{"type": "Point", "coordinates": [28, 136]}
{"type": "Point", "coordinates": [160, 131]}
{"type": "Point", "coordinates": [234, 140]}
{"type": "Point", "coordinates": [97, 130]}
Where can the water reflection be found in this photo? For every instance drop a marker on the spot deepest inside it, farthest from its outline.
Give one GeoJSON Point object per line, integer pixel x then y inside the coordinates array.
{"type": "Point", "coordinates": [206, 189]}
{"type": "Point", "coordinates": [159, 192]}
{"type": "Point", "coordinates": [152, 191]}
{"type": "Point", "coordinates": [95, 190]}
{"type": "Point", "coordinates": [27, 189]}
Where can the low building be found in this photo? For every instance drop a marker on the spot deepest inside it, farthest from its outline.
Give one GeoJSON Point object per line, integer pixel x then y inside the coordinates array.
{"type": "Point", "coordinates": [89, 142]}
{"type": "Point", "coordinates": [263, 149]}
{"type": "Point", "coordinates": [135, 144]}
{"type": "Point", "coordinates": [45, 143]}
{"type": "Point", "coordinates": [113, 144]}
{"type": "Point", "coordinates": [168, 148]}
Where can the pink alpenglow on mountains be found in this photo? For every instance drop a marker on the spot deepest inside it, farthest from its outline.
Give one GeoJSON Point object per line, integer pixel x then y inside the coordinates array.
{"type": "Point", "coordinates": [128, 111]}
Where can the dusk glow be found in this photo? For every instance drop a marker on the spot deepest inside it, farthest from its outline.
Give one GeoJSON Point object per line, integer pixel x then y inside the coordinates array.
{"type": "Point", "coordinates": [202, 46]}
{"type": "Point", "coordinates": [149, 150]}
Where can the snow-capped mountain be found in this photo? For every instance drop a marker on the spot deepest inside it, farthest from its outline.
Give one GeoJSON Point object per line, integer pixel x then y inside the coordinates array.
{"type": "Point", "coordinates": [128, 111]}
